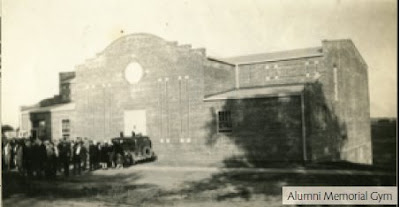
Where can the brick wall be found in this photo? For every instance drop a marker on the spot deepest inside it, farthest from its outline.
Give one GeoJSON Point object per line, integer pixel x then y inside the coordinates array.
{"type": "Point", "coordinates": [264, 129]}
{"type": "Point", "coordinates": [351, 102]}
{"type": "Point", "coordinates": [170, 91]}
{"type": "Point", "coordinates": [183, 127]}
{"type": "Point", "coordinates": [56, 123]}
{"type": "Point", "coordinates": [218, 77]}
{"type": "Point", "coordinates": [320, 120]}
{"type": "Point", "coordinates": [294, 71]}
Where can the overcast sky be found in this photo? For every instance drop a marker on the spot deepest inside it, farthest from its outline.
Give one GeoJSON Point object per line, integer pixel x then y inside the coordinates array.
{"type": "Point", "coordinates": [43, 37]}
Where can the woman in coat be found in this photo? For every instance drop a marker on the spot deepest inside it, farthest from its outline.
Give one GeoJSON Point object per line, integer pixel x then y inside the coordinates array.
{"type": "Point", "coordinates": [104, 158]}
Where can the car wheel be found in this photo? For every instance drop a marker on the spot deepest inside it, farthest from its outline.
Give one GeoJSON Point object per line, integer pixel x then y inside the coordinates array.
{"type": "Point", "coordinates": [147, 152]}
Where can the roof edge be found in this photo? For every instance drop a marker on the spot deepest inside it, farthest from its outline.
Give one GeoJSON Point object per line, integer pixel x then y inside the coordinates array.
{"type": "Point", "coordinates": [226, 60]}
{"type": "Point", "coordinates": [215, 97]}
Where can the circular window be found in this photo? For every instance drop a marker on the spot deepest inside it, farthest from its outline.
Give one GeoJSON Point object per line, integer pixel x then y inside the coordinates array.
{"type": "Point", "coordinates": [133, 72]}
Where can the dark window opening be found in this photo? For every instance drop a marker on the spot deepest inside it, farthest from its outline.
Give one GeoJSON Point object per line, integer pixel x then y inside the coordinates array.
{"type": "Point", "coordinates": [224, 121]}
{"type": "Point", "coordinates": [65, 128]}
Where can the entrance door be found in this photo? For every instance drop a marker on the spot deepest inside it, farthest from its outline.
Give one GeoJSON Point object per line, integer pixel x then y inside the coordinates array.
{"type": "Point", "coordinates": [134, 120]}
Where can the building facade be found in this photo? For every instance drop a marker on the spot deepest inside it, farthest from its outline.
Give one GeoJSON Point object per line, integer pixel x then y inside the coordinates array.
{"type": "Point", "coordinates": [51, 117]}
{"type": "Point", "coordinates": [309, 104]}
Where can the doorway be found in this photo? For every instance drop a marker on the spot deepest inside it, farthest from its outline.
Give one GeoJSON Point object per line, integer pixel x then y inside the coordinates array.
{"type": "Point", "coordinates": [135, 120]}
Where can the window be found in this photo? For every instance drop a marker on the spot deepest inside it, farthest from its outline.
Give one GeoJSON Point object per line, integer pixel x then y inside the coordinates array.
{"type": "Point", "coordinates": [224, 121]}
{"type": "Point", "coordinates": [65, 128]}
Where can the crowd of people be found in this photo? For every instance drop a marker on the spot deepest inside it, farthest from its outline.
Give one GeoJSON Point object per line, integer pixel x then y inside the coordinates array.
{"type": "Point", "coordinates": [45, 158]}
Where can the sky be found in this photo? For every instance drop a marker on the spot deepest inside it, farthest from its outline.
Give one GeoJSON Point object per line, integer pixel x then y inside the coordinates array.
{"type": "Point", "coordinates": [44, 37]}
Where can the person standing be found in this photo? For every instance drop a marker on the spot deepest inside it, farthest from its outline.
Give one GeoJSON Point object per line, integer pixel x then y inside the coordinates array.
{"type": "Point", "coordinates": [119, 152]}
{"type": "Point", "coordinates": [111, 155]}
{"type": "Point", "coordinates": [50, 160]}
{"type": "Point", "coordinates": [19, 156]}
{"type": "Point", "coordinates": [76, 157]}
{"type": "Point", "coordinates": [104, 155]}
{"type": "Point", "coordinates": [27, 157]}
{"type": "Point", "coordinates": [92, 155]}
{"type": "Point", "coordinates": [15, 150]}
{"type": "Point", "coordinates": [57, 161]}
{"type": "Point", "coordinates": [13, 153]}
{"type": "Point", "coordinates": [3, 160]}
{"type": "Point", "coordinates": [7, 155]}
{"type": "Point", "coordinates": [64, 150]}
{"type": "Point", "coordinates": [98, 155]}
{"type": "Point", "coordinates": [42, 157]}
{"type": "Point", "coordinates": [36, 158]}
{"type": "Point", "coordinates": [84, 156]}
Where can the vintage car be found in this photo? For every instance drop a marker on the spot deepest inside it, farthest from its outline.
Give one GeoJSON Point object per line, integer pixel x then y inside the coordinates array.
{"type": "Point", "coordinates": [135, 149]}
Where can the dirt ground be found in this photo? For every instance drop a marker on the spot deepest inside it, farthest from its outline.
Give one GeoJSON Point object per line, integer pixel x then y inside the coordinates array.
{"type": "Point", "coordinates": [151, 185]}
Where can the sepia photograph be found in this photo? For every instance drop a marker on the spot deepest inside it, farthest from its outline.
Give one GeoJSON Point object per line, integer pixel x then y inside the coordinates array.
{"type": "Point", "coordinates": [199, 103]}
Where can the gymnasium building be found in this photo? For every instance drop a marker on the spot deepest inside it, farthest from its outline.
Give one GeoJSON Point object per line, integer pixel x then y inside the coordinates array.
{"type": "Point", "coordinates": [308, 104]}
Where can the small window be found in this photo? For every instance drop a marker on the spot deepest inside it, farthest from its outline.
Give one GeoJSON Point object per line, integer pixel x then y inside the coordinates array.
{"type": "Point", "coordinates": [224, 121]}
{"type": "Point", "coordinates": [65, 128]}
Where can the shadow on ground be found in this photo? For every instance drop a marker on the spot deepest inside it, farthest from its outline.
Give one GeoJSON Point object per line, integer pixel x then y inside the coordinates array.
{"type": "Point", "coordinates": [246, 186]}
{"type": "Point", "coordinates": [134, 187]}
{"type": "Point", "coordinates": [117, 188]}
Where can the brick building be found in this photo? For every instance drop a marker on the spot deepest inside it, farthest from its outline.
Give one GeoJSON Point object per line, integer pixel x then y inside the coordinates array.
{"type": "Point", "coordinates": [50, 118]}
{"type": "Point", "coordinates": [306, 104]}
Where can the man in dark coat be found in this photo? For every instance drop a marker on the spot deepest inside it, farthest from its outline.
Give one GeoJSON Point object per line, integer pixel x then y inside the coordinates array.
{"type": "Point", "coordinates": [13, 153]}
{"type": "Point", "coordinates": [50, 160]}
{"type": "Point", "coordinates": [36, 158]}
{"type": "Point", "coordinates": [98, 156]}
{"type": "Point", "coordinates": [92, 155]}
{"type": "Point", "coordinates": [64, 150]}
{"type": "Point", "coordinates": [42, 157]}
{"type": "Point", "coordinates": [27, 158]}
{"type": "Point", "coordinates": [104, 156]}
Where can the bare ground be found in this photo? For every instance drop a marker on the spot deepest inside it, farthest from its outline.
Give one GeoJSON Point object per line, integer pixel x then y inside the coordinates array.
{"type": "Point", "coordinates": [151, 185]}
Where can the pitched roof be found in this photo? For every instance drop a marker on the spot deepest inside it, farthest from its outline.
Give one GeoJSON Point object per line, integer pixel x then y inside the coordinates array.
{"type": "Point", "coordinates": [262, 92]}
{"type": "Point", "coordinates": [273, 56]}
